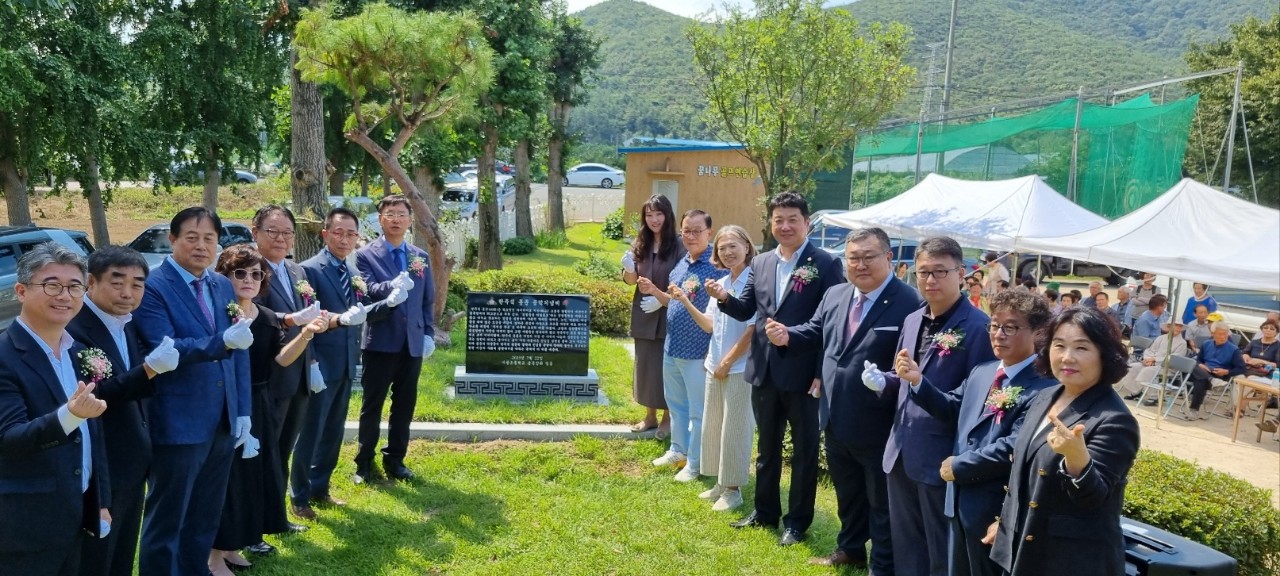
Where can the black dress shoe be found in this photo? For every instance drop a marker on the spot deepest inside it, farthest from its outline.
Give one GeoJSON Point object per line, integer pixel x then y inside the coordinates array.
{"type": "Point", "coordinates": [839, 558]}
{"type": "Point", "coordinates": [261, 549]}
{"type": "Point", "coordinates": [295, 528]}
{"type": "Point", "coordinates": [791, 536]}
{"type": "Point", "coordinates": [753, 521]}
{"type": "Point", "coordinates": [364, 473]}
{"type": "Point", "coordinates": [399, 472]}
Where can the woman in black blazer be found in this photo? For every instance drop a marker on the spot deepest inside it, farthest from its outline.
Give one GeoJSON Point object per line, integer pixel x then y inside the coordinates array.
{"type": "Point", "coordinates": [1071, 458]}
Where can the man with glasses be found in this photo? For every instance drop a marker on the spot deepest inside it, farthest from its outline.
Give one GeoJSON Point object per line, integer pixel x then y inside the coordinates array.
{"type": "Point", "coordinates": [290, 296]}
{"type": "Point", "coordinates": [940, 343]}
{"type": "Point", "coordinates": [856, 323]}
{"type": "Point", "coordinates": [202, 410]}
{"type": "Point", "coordinates": [53, 468]}
{"type": "Point", "coordinates": [986, 424]}
{"type": "Point", "coordinates": [396, 345]}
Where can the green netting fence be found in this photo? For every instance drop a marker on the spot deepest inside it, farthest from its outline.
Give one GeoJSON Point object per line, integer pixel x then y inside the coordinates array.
{"type": "Point", "coordinates": [1129, 152]}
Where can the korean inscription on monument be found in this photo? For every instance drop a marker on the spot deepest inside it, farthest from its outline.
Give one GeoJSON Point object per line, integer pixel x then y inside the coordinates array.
{"type": "Point", "coordinates": [528, 333]}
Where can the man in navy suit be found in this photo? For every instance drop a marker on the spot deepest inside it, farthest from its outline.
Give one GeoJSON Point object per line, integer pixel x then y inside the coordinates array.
{"type": "Point", "coordinates": [396, 345]}
{"type": "Point", "coordinates": [53, 469]}
{"type": "Point", "coordinates": [340, 290]}
{"type": "Point", "coordinates": [201, 411]}
{"type": "Point", "coordinates": [291, 297]}
{"type": "Point", "coordinates": [941, 343]}
{"type": "Point", "coordinates": [787, 285]}
{"type": "Point", "coordinates": [856, 323]}
{"type": "Point", "coordinates": [117, 279]}
{"type": "Point", "coordinates": [986, 427]}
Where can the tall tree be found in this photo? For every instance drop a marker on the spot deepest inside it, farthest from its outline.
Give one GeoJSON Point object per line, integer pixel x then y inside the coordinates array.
{"type": "Point", "coordinates": [407, 68]}
{"type": "Point", "coordinates": [1256, 43]}
{"type": "Point", "coordinates": [795, 83]}
{"type": "Point", "coordinates": [517, 33]}
{"type": "Point", "coordinates": [24, 105]}
{"type": "Point", "coordinates": [574, 59]}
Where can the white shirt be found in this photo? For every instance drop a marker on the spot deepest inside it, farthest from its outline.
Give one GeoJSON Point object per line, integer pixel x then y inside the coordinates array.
{"type": "Point", "coordinates": [64, 369]}
{"type": "Point", "coordinates": [871, 297]}
{"type": "Point", "coordinates": [115, 326]}
{"type": "Point", "coordinates": [785, 269]}
{"type": "Point", "coordinates": [726, 331]}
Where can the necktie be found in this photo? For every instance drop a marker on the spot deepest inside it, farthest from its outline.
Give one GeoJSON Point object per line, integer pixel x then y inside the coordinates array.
{"type": "Point", "coordinates": [398, 254]}
{"type": "Point", "coordinates": [855, 317]}
{"type": "Point", "coordinates": [198, 284]}
{"type": "Point", "coordinates": [345, 281]}
{"type": "Point", "coordinates": [998, 383]}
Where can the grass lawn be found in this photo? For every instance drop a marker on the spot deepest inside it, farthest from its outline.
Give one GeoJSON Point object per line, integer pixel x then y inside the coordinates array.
{"type": "Point", "coordinates": [585, 507]}
{"type": "Point", "coordinates": [611, 360]}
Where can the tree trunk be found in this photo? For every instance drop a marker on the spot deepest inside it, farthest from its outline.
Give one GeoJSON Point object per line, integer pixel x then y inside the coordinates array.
{"type": "Point", "coordinates": [425, 227]}
{"type": "Point", "coordinates": [559, 117]}
{"type": "Point", "coordinates": [337, 183]}
{"type": "Point", "coordinates": [490, 252]}
{"type": "Point", "coordinates": [524, 218]}
{"type": "Point", "coordinates": [364, 182]}
{"type": "Point", "coordinates": [307, 163]}
{"type": "Point", "coordinates": [97, 209]}
{"type": "Point", "coordinates": [212, 177]}
{"type": "Point", "coordinates": [431, 194]}
{"type": "Point", "coordinates": [15, 193]}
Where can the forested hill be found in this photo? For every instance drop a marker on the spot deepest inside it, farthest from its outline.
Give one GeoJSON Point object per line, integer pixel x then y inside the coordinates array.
{"type": "Point", "coordinates": [1005, 49]}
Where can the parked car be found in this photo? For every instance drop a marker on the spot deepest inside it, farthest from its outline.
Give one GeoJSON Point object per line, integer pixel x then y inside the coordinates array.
{"type": "Point", "coordinates": [460, 194]}
{"type": "Point", "coordinates": [154, 245]}
{"type": "Point", "coordinates": [190, 174]}
{"type": "Point", "coordinates": [1041, 267]}
{"type": "Point", "coordinates": [498, 166]}
{"type": "Point", "coordinates": [506, 184]}
{"type": "Point", "coordinates": [601, 175]}
{"type": "Point", "coordinates": [18, 240]}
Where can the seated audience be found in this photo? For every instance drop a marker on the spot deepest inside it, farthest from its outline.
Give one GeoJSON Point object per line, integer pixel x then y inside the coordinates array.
{"type": "Point", "coordinates": [1095, 288]}
{"type": "Point", "coordinates": [1123, 307]}
{"type": "Point", "coordinates": [1198, 328]}
{"type": "Point", "coordinates": [1219, 359]}
{"type": "Point", "coordinates": [1148, 324]}
{"type": "Point", "coordinates": [973, 286]}
{"type": "Point", "coordinates": [1264, 351]}
{"type": "Point", "coordinates": [1068, 299]}
{"type": "Point", "coordinates": [1102, 302]}
{"type": "Point", "coordinates": [1152, 360]}
{"type": "Point", "coordinates": [1051, 297]}
{"type": "Point", "coordinates": [1200, 297]}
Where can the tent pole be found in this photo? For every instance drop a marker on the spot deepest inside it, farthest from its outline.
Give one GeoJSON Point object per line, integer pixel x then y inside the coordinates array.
{"type": "Point", "coordinates": [1253, 180]}
{"type": "Point", "coordinates": [919, 143]}
{"type": "Point", "coordinates": [1075, 147]}
{"type": "Point", "coordinates": [1231, 128]}
{"type": "Point", "coordinates": [987, 172]}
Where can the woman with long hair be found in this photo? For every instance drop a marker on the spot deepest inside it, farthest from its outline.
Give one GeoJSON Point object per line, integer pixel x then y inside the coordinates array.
{"type": "Point", "coordinates": [647, 266]}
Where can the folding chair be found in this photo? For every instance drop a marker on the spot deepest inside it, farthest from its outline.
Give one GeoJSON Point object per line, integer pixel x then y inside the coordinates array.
{"type": "Point", "coordinates": [1222, 390]}
{"type": "Point", "coordinates": [1137, 344]}
{"type": "Point", "coordinates": [1176, 380]}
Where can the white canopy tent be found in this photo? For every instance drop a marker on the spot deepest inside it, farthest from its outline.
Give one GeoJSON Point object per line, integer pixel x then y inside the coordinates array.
{"type": "Point", "coordinates": [995, 215]}
{"type": "Point", "coordinates": [1192, 231]}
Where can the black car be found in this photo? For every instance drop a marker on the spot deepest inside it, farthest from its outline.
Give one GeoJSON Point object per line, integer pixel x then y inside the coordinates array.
{"type": "Point", "coordinates": [18, 240]}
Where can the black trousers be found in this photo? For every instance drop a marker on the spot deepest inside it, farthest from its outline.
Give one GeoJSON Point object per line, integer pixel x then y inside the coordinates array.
{"type": "Point", "coordinates": [774, 410]}
{"type": "Point", "coordinates": [48, 562]}
{"type": "Point", "coordinates": [113, 555]}
{"type": "Point", "coordinates": [398, 373]}
{"type": "Point", "coordinates": [862, 502]}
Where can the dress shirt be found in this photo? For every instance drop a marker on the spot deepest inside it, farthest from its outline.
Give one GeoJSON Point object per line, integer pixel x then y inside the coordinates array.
{"type": "Point", "coordinates": [115, 326]}
{"type": "Point", "coordinates": [281, 273]}
{"type": "Point", "coordinates": [65, 369]}
{"type": "Point", "coordinates": [188, 278]}
{"type": "Point", "coordinates": [871, 298]}
{"type": "Point", "coordinates": [786, 268]}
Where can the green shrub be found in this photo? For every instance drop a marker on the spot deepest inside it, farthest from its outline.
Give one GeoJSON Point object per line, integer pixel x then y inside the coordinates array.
{"type": "Point", "coordinates": [599, 266]}
{"type": "Point", "coordinates": [615, 225]}
{"type": "Point", "coordinates": [610, 300]}
{"type": "Point", "coordinates": [518, 245]}
{"type": "Point", "coordinates": [1207, 506]}
{"type": "Point", "coordinates": [471, 256]}
{"type": "Point", "coordinates": [552, 239]}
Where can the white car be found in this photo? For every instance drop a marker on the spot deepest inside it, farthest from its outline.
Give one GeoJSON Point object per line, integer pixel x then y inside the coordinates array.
{"type": "Point", "coordinates": [601, 175]}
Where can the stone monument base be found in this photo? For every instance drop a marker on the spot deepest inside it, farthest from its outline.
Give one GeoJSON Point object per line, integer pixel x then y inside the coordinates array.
{"type": "Point", "coordinates": [526, 386]}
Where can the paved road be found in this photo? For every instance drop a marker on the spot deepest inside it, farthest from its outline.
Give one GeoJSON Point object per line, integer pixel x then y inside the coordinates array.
{"type": "Point", "coordinates": [580, 204]}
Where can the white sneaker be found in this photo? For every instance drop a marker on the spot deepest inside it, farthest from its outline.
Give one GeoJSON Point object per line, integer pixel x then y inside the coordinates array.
{"type": "Point", "coordinates": [1193, 415]}
{"type": "Point", "coordinates": [713, 494]}
{"type": "Point", "coordinates": [670, 458]}
{"type": "Point", "coordinates": [728, 500]}
{"type": "Point", "coordinates": [686, 474]}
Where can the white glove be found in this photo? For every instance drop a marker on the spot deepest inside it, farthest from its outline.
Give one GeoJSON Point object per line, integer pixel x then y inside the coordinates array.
{"type": "Point", "coordinates": [104, 528]}
{"type": "Point", "coordinates": [650, 304]}
{"type": "Point", "coordinates": [238, 336]}
{"type": "Point", "coordinates": [164, 358]}
{"type": "Point", "coordinates": [306, 315]}
{"type": "Point", "coordinates": [428, 346]}
{"type": "Point", "coordinates": [628, 262]}
{"type": "Point", "coordinates": [872, 377]}
{"type": "Point", "coordinates": [353, 316]}
{"type": "Point", "coordinates": [403, 281]}
{"type": "Point", "coordinates": [315, 378]}
{"type": "Point", "coordinates": [251, 447]}
{"type": "Point", "coordinates": [397, 297]}
{"type": "Point", "coordinates": [241, 432]}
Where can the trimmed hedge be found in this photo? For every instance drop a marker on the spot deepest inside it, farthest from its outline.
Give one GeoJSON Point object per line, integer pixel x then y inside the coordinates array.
{"type": "Point", "coordinates": [1207, 506]}
{"type": "Point", "coordinates": [518, 245]}
{"type": "Point", "coordinates": [610, 300]}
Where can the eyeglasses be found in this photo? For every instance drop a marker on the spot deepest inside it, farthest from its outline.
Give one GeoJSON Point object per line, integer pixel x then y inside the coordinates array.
{"type": "Point", "coordinates": [55, 289]}
{"type": "Point", "coordinates": [1007, 329]}
{"type": "Point", "coordinates": [241, 274]}
{"type": "Point", "coordinates": [688, 233]}
{"type": "Point", "coordinates": [865, 259]}
{"type": "Point", "coordinates": [278, 234]}
{"type": "Point", "coordinates": [395, 215]}
{"type": "Point", "coordinates": [939, 274]}
{"type": "Point", "coordinates": [343, 235]}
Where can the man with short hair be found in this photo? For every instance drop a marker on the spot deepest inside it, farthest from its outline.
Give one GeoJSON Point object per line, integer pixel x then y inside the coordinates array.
{"type": "Point", "coordinates": [787, 285]}
{"type": "Point", "coordinates": [996, 272]}
{"type": "Point", "coordinates": [1095, 288]}
{"type": "Point", "coordinates": [1102, 302]}
{"type": "Point", "coordinates": [53, 466]}
{"type": "Point", "coordinates": [1219, 359]}
{"type": "Point", "coordinates": [1122, 308]}
{"type": "Point", "coordinates": [117, 280]}
{"type": "Point", "coordinates": [1145, 370]}
{"type": "Point", "coordinates": [1198, 332]}
{"type": "Point", "coordinates": [1148, 324]}
{"type": "Point", "coordinates": [396, 345]}
{"type": "Point", "coordinates": [855, 323]}
{"type": "Point", "coordinates": [986, 426]}
{"type": "Point", "coordinates": [201, 412]}
{"type": "Point", "coordinates": [940, 343]}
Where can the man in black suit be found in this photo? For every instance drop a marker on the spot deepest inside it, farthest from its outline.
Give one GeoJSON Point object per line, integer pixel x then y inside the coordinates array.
{"type": "Point", "coordinates": [117, 280]}
{"type": "Point", "coordinates": [786, 287]}
{"type": "Point", "coordinates": [856, 323]}
{"type": "Point", "coordinates": [291, 297]}
{"type": "Point", "coordinates": [53, 470]}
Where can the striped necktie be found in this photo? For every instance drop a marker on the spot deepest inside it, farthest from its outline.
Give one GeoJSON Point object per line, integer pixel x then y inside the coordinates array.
{"type": "Point", "coordinates": [344, 279]}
